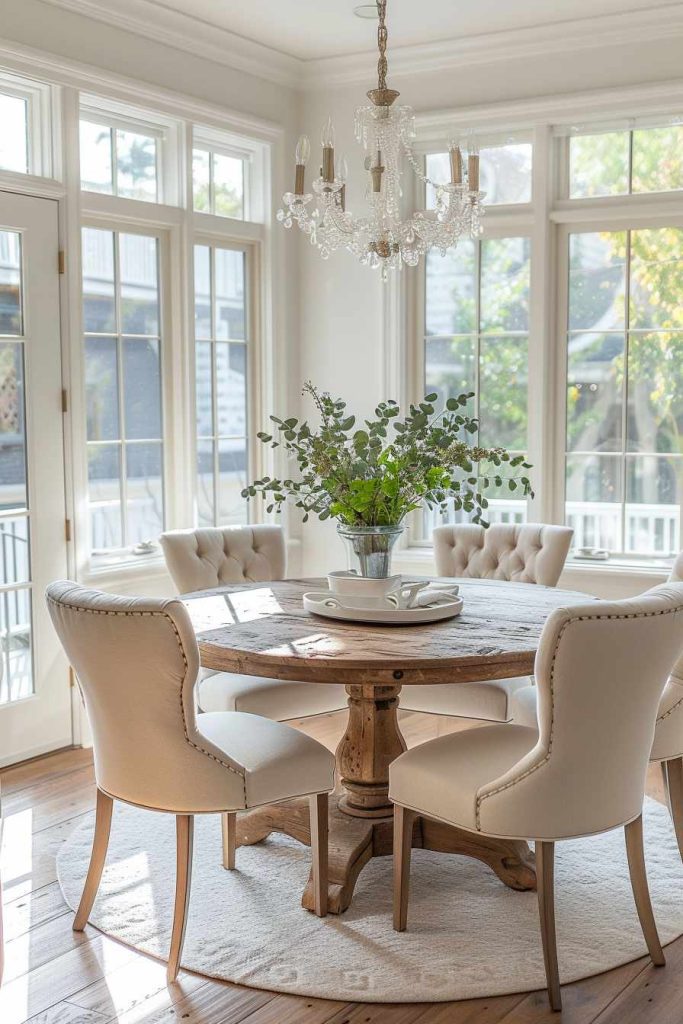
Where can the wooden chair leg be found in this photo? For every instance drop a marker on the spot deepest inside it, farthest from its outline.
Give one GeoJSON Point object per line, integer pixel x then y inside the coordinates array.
{"type": "Point", "coordinates": [641, 892]}
{"type": "Point", "coordinates": [319, 851]}
{"type": "Point", "coordinates": [545, 875]}
{"type": "Point", "coordinates": [229, 828]}
{"type": "Point", "coordinates": [403, 845]}
{"type": "Point", "coordinates": [184, 840]}
{"type": "Point", "coordinates": [105, 806]}
{"type": "Point", "coordinates": [674, 773]}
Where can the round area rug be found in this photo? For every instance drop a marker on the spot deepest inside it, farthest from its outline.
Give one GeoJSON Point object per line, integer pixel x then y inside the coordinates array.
{"type": "Point", "coordinates": [468, 935]}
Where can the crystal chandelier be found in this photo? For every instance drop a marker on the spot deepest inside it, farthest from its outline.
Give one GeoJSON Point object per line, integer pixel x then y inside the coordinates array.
{"type": "Point", "coordinates": [383, 239]}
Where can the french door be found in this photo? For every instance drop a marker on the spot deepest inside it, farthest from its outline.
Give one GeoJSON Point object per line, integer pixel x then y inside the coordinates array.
{"type": "Point", "coordinates": [35, 699]}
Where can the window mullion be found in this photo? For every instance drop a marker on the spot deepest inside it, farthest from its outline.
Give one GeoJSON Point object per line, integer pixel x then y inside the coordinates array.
{"type": "Point", "coordinates": [123, 455]}
{"type": "Point", "coordinates": [625, 391]}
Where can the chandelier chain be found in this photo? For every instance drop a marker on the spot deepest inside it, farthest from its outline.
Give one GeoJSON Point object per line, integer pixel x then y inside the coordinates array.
{"type": "Point", "coordinates": [382, 37]}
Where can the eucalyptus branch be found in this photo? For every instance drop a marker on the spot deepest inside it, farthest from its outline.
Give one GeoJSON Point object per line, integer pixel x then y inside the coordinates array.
{"type": "Point", "coordinates": [377, 474]}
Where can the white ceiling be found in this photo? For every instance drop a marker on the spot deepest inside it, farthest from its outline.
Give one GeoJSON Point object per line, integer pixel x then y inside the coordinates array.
{"type": "Point", "coordinates": [309, 29]}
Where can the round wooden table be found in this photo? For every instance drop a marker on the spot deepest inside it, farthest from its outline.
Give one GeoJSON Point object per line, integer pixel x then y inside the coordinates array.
{"type": "Point", "coordinates": [261, 629]}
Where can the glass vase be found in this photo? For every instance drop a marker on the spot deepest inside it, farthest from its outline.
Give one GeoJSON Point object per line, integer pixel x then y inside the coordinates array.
{"type": "Point", "coordinates": [369, 548]}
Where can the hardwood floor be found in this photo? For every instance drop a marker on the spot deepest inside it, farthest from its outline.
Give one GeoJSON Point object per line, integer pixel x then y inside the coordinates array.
{"type": "Point", "coordinates": [54, 975]}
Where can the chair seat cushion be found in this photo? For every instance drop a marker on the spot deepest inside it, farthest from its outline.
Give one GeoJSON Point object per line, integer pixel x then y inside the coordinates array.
{"type": "Point", "coordinates": [278, 762]}
{"type": "Point", "coordinates": [524, 709]}
{"type": "Point", "coordinates": [442, 778]}
{"type": "Point", "coordinates": [490, 700]}
{"type": "Point", "coordinates": [277, 699]}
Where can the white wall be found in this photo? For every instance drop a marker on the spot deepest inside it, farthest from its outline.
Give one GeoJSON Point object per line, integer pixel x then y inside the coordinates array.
{"type": "Point", "coordinates": [342, 302]}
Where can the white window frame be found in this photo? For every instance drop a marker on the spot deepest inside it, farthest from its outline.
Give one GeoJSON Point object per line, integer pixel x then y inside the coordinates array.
{"type": "Point", "coordinates": [42, 122]}
{"type": "Point", "coordinates": [546, 219]}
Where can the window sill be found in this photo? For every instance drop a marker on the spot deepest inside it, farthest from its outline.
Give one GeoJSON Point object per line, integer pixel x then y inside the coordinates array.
{"type": "Point", "coordinates": [121, 571]}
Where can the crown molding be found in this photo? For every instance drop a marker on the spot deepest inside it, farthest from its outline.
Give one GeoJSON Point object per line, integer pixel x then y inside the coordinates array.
{"type": "Point", "coordinates": [654, 24]}
{"type": "Point", "coordinates": [153, 19]}
{"type": "Point", "coordinates": [191, 34]}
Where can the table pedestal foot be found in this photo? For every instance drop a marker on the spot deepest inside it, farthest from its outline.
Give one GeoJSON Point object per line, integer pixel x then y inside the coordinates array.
{"type": "Point", "coordinates": [354, 841]}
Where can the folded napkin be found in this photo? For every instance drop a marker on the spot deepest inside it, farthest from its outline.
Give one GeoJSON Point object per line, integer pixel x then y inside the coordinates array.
{"type": "Point", "coordinates": [435, 594]}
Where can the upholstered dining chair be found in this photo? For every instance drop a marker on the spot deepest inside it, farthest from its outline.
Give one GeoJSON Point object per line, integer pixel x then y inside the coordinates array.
{"type": "Point", "coordinates": [667, 748]}
{"type": "Point", "coordinates": [137, 661]}
{"type": "Point", "coordinates": [216, 556]}
{"type": "Point", "coordinates": [522, 553]}
{"type": "Point", "coordinates": [2, 938]}
{"type": "Point", "coordinates": [600, 672]}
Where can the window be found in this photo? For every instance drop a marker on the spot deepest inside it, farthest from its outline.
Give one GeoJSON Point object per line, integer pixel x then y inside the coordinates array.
{"type": "Point", "coordinates": [123, 342]}
{"type": "Point", "coordinates": [505, 172]}
{"type": "Point", "coordinates": [119, 161]}
{"type": "Point", "coordinates": [624, 471]}
{"type": "Point", "coordinates": [221, 361]}
{"type": "Point", "coordinates": [218, 182]}
{"type": "Point", "coordinates": [476, 339]}
{"type": "Point", "coordinates": [14, 154]}
{"type": "Point", "coordinates": [26, 119]}
{"type": "Point", "coordinates": [615, 163]}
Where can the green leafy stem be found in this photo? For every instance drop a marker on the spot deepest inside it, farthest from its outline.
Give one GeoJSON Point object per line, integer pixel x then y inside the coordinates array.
{"type": "Point", "coordinates": [377, 474]}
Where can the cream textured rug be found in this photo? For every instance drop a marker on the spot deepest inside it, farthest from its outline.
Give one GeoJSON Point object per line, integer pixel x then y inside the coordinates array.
{"type": "Point", "coordinates": [468, 935]}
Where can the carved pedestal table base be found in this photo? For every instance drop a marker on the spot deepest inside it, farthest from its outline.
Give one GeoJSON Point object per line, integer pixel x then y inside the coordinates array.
{"type": "Point", "coordinates": [361, 816]}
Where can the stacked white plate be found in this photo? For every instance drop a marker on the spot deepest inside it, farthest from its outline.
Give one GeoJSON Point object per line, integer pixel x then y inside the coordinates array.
{"type": "Point", "coordinates": [391, 601]}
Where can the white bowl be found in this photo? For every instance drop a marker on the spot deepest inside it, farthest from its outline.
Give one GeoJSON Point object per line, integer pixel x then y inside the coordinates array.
{"type": "Point", "coordinates": [349, 584]}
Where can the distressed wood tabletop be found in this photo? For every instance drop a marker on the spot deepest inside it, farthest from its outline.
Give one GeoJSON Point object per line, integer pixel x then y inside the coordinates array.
{"type": "Point", "coordinates": [262, 629]}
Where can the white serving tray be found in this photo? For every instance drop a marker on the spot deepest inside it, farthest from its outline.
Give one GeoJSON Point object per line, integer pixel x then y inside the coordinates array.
{"type": "Point", "coordinates": [323, 603]}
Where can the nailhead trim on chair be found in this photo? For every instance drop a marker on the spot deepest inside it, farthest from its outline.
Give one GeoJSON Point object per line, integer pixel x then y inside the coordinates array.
{"type": "Point", "coordinates": [671, 710]}
{"type": "Point", "coordinates": [535, 768]}
{"type": "Point", "coordinates": [102, 611]}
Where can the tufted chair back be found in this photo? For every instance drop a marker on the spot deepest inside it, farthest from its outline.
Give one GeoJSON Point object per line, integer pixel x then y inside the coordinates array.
{"type": "Point", "coordinates": [525, 553]}
{"type": "Point", "coordinates": [137, 661]}
{"type": "Point", "coordinates": [668, 742]}
{"type": "Point", "coordinates": [600, 672]}
{"type": "Point", "coordinates": [207, 558]}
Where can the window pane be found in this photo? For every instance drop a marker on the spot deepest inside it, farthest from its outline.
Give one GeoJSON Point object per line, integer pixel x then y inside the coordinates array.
{"type": "Point", "coordinates": [451, 290]}
{"type": "Point", "coordinates": [136, 165]}
{"type": "Point", "coordinates": [101, 389]}
{"type": "Point", "coordinates": [505, 284]}
{"type": "Point", "coordinates": [15, 640]}
{"type": "Point", "coordinates": [12, 427]}
{"type": "Point", "coordinates": [450, 368]}
{"type": "Point", "coordinates": [503, 378]}
{"type": "Point", "coordinates": [654, 491]}
{"type": "Point", "coordinates": [142, 388]}
{"type": "Point", "coordinates": [230, 313]}
{"type": "Point", "coordinates": [595, 383]}
{"type": "Point", "coordinates": [202, 291]}
{"type": "Point", "coordinates": [597, 281]}
{"type": "Point", "coordinates": [232, 465]}
{"type": "Point", "coordinates": [655, 392]}
{"type": "Point", "coordinates": [657, 160]}
{"type": "Point", "coordinates": [96, 158]}
{"type": "Point", "coordinates": [505, 173]}
{"type": "Point", "coordinates": [104, 493]}
{"type": "Point", "coordinates": [204, 388]}
{"type": "Point", "coordinates": [598, 165]}
{"type": "Point", "coordinates": [228, 185]}
{"type": "Point", "coordinates": [231, 389]}
{"type": "Point", "coordinates": [145, 507]}
{"type": "Point", "coordinates": [10, 283]}
{"type": "Point", "coordinates": [139, 284]}
{"type": "Point", "coordinates": [657, 278]}
{"type": "Point", "coordinates": [99, 307]}
{"type": "Point", "coordinates": [594, 495]}
{"type": "Point", "coordinates": [14, 551]}
{"type": "Point", "coordinates": [14, 135]}
{"type": "Point", "coordinates": [205, 509]}
{"type": "Point", "coordinates": [201, 181]}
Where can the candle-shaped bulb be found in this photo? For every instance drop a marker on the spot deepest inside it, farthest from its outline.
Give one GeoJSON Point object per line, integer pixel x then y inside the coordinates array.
{"type": "Point", "coordinates": [303, 150]}
{"type": "Point", "coordinates": [472, 165]}
{"type": "Point", "coordinates": [455, 155]}
{"type": "Point", "coordinates": [327, 134]}
{"type": "Point", "coordinates": [343, 170]}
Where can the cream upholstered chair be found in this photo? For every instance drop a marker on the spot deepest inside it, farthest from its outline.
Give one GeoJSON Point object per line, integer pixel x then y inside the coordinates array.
{"type": "Point", "coordinates": [668, 742]}
{"type": "Point", "coordinates": [600, 672]}
{"type": "Point", "coordinates": [2, 941]}
{"type": "Point", "coordinates": [137, 662]}
{"type": "Point", "coordinates": [528, 553]}
{"type": "Point", "coordinates": [207, 558]}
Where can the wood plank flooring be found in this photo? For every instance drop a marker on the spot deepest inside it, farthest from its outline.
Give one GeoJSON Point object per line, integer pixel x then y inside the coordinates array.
{"type": "Point", "coordinates": [56, 976]}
